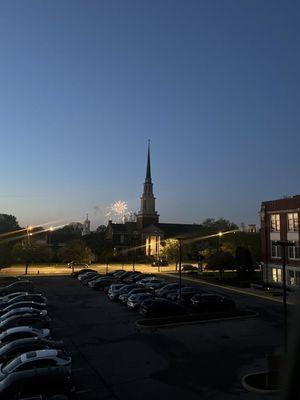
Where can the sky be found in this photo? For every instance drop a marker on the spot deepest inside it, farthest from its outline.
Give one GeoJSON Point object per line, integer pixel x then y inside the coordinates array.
{"type": "Point", "coordinates": [84, 84]}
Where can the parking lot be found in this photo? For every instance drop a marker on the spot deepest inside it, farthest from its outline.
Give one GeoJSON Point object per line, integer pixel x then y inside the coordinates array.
{"type": "Point", "coordinates": [112, 359]}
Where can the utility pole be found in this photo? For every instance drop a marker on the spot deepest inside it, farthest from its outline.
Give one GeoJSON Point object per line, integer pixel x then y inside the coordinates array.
{"type": "Point", "coordinates": [180, 262]}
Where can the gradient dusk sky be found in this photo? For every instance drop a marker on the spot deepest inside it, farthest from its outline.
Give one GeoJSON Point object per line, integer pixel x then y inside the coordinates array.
{"type": "Point", "coordinates": [214, 85]}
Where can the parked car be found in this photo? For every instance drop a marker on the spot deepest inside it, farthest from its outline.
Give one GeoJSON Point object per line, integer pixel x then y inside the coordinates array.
{"type": "Point", "coordinates": [90, 278]}
{"type": "Point", "coordinates": [188, 267]}
{"type": "Point", "coordinates": [160, 308]}
{"type": "Point", "coordinates": [116, 290]}
{"type": "Point", "coordinates": [155, 284]}
{"type": "Point", "coordinates": [187, 293]}
{"type": "Point", "coordinates": [101, 283]}
{"type": "Point", "coordinates": [33, 304]}
{"type": "Point", "coordinates": [20, 311]}
{"type": "Point", "coordinates": [124, 297]}
{"type": "Point", "coordinates": [7, 280]}
{"type": "Point", "coordinates": [35, 320]}
{"type": "Point", "coordinates": [81, 277]}
{"type": "Point", "coordinates": [135, 300]}
{"type": "Point", "coordinates": [18, 286]}
{"type": "Point", "coordinates": [74, 264]}
{"type": "Point", "coordinates": [160, 263]}
{"type": "Point", "coordinates": [166, 289]}
{"type": "Point", "coordinates": [132, 277]}
{"type": "Point", "coordinates": [143, 281]}
{"type": "Point", "coordinates": [211, 303]}
{"type": "Point", "coordinates": [36, 297]}
{"type": "Point", "coordinates": [39, 370]}
{"type": "Point", "coordinates": [16, 347]}
{"type": "Point", "coordinates": [8, 297]}
{"type": "Point", "coordinates": [24, 331]}
{"type": "Point", "coordinates": [75, 274]}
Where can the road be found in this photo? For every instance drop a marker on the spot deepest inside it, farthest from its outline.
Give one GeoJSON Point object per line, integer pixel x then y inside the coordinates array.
{"type": "Point", "coordinates": [113, 360]}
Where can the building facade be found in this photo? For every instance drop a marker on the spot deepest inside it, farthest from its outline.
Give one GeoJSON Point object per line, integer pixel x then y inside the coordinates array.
{"type": "Point", "coordinates": [280, 222]}
{"type": "Point", "coordinates": [145, 235]}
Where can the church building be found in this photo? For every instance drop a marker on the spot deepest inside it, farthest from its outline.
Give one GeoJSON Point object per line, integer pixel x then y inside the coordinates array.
{"type": "Point", "coordinates": [146, 232]}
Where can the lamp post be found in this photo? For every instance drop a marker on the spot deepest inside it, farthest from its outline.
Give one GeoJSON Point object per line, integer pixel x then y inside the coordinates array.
{"type": "Point", "coordinates": [220, 234]}
{"type": "Point", "coordinates": [284, 244]}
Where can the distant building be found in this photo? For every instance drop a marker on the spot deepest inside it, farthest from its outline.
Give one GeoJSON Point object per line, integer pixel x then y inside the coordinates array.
{"type": "Point", "coordinates": [251, 228]}
{"type": "Point", "coordinates": [86, 226]}
{"type": "Point", "coordinates": [146, 232]}
{"type": "Point", "coordinates": [280, 221]}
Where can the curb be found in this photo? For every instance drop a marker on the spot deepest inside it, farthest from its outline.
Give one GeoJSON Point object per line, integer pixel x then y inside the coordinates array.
{"type": "Point", "coordinates": [174, 324]}
{"type": "Point", "coordinates": [253, 389]}
{"type": "Point", "coordinates": [230, 288]}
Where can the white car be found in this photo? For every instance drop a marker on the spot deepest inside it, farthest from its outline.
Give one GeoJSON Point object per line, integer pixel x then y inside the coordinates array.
{"type": "Point", "coordinates": [40, 369]}
{"type": "Point", "coordinates": [33, 304]}
{"type": "Point", "coordinates": [9, 297]}
{"type": "Point", "coordinates": [37, 297]}
{"type": "Point", "coordinates": [22, 310]}
{"type": "Point", "coordinates": [22, 332]}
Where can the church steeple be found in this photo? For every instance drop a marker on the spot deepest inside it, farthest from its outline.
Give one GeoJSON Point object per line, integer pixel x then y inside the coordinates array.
{"type": "Point", "coordinates": [147, 214]}
{"type": "Point", "coordinates": [148, 172]}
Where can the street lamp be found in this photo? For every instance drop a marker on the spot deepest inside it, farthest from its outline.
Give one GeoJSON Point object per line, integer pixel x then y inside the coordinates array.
{"type": "Point", "coordinates": [220, 234]}
{"type": "Point", "coordinates": [284, 244]}
{"type": "Point", "coordinates": [180, 262]}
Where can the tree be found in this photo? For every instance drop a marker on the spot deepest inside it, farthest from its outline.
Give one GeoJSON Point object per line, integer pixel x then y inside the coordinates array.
{"type": "Point", "coordinates": [170, 249]}
{"type": "Point", "coordinates": [220, 260]}
{"type": "Point", "coordinates": [8, 223]}
{"type": "Point", "coordinates": [31, 251]}
{"type": "Point", "coordinates": [244, 263]}
{"type": "Point", "coordinates": [212, 225]}
{"type": "Point", "coordinates": [67, 233]}
{"type": "Point", "coordinates": [5, 254]}
{"type": "Point", "coordinates": [77, 251]}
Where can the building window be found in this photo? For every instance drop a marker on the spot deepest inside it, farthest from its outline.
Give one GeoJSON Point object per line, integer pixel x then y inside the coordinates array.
{"type": "Point", "coordinates": [275, 222]}
{"type": "Point", "coordinates": [293, 225]}
{"type": "Point", "coordinates": [276, 275]}
{"type": "Point", "coordinates": [275, 250]}
{"type": "Point", "coordinates": [293, 252]}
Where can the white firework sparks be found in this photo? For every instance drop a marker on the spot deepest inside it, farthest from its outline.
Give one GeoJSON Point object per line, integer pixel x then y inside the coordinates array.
{"type": "Point", "coordinates": [118, 210]}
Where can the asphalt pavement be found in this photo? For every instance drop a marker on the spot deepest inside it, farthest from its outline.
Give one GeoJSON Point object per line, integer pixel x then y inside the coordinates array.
{"type": "Point", "coordinates": [112, 359]}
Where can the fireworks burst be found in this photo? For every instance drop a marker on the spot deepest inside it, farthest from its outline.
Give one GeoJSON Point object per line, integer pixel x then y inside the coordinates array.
{"type": "Point", "coordinates": [118, 211]}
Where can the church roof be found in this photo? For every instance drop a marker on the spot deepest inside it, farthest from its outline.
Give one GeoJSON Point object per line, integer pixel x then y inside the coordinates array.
{"type": "Point", "coordinates": [180, 230]}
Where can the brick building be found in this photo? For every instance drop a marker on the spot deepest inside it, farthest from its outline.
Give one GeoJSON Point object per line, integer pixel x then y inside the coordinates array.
{"type": "Point", "coordinates": [280, 221]}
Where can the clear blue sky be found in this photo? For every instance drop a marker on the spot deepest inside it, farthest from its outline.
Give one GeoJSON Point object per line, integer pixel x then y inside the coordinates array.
{"type": "Point", "coordinates": [84, 84]}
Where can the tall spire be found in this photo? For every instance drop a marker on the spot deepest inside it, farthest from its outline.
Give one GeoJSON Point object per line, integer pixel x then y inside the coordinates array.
{"type": "Point", "coordinates": [148, 173]}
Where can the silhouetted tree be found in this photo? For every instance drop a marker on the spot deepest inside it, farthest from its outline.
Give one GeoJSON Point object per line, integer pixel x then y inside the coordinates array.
{"type": "Point", "coordinates": [75, 250]}
{"type": "Point", "coordinates": [220, 260]}
{"type": "Point", "coordinates": [31, 251]}
{"type": "Point", "coordinates": [8, 223]}
{"type": "Point", "coordinates": [244, 263]}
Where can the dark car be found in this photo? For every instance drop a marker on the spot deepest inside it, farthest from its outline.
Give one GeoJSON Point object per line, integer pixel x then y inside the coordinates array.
{"type": "Point", "coordinates": [160, 308]}
{"type": "Point", "coordinates": [41, 371]}
{"type": "Point", "coordinates": [18, 286]}
{"type": "Point", "coordinates": [19, 346]}
{"type": "Point", "coordinates": [34, 320]}
{"type": "Point", "coordinates": [124, 297]}
{"type": "Point", "coordinates": [126, 275]}
{"type": "Point", "coordinates": [188, 267]}
{"type": "Point", "coordinates": [132, 277]}
{"type": "Point", "coordinates": [7, 280]}
{"type": "Point", "coordinates": [211, 303]}
{"type": "Point", "coordinates": [187, 293]}
{"type": "Point", "coordinates": [90, 278]}
{"type": "Point", "coordinates": [135, 300]}
{"type": "Point", "coordinates": [166, 289]}
{"type": "Point", "coordinates": [155, 284]}
{"type": "Point", "coordinates": [101, 283]}
{"type": "Point", "coordinates": [82, 271]}
{"type": "Point", "coordinates": [116, 290]}
{"type": "Point", "coordinates": [21, 332]}
{"type": "Point", "coordinates": [81, 277]}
